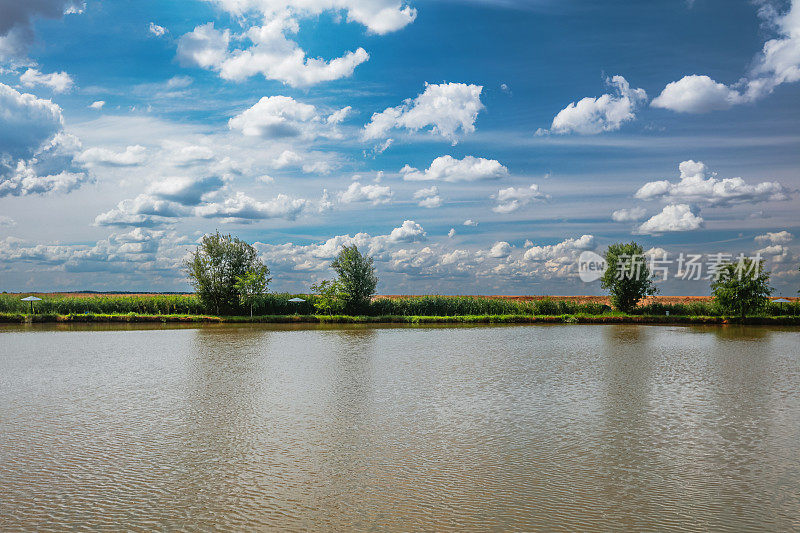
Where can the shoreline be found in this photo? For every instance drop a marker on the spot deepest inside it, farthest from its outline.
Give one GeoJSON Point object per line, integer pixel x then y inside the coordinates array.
{"type": "Point", "coordinates": [26, 318]}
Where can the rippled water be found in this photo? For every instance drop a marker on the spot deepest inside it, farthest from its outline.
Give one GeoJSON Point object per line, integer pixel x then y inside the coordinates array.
{"type": "Point", "coordinates": [505, 428]}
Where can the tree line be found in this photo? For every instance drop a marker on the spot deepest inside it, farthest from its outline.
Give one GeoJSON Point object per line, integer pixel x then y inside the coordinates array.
{"type": "Point", "coordinates": [228, 275]}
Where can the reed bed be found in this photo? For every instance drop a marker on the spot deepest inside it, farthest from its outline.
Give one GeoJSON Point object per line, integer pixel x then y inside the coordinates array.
{"type": "Point", "coordinates": [414, 306]}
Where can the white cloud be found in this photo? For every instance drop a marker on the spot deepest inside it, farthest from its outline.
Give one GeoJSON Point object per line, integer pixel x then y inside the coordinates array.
{"type": "Point", "coordinates": [36, 156]}
{"type": "Point", "coordinates": [287, 158]}
{"type": "Point", "coordinates": [409, 231]}
{"type": "Point", "coordinates": [778, 63]}
{"type": "Point", "coordinates": [672, 218]}
{"type": "Point", "coordinates": [276, 117]}
{"type": "Point", "coordinates": [242, 208]}
{"type": "Point", "coordinates": [633, 214]}
{"type": "Point", "coordinates": [97, 104]}
{"type": "Point", "coordinates": [428, 197]}
{"type": "Point", "coordinates": [696, 94]}
{"type": "Point", "coordinates": [186, 155]}
{"type": "Point", "coordinates": [513, 198]}
{"type": "Point", "coordinates": [565, 250]}
{"type": "Point", "coordinates": [470, 222]}
{"type": "Point", "coordinates": [451, 233]}
{"type": "Point", "coordinates": [185, 190]}
{"type": "Point", "coordinates": [143, 211]}
{"type": "Point", "coordinates": [447, 109]}
{"type": "Point", "coordinates": [446, 168]}
{"type": "Point", "coordinates": [356, 192]}
{"type": "Point", "coordinates": [7, 221]}
{"type": "Point", "coordinates": [318, 167]}
{"type": "Point", "coordinates": [378, 16]}
{"type": "Point", "coordinates": [157, 30]}
{"type": "Point", "coordinates": [271, 53]}
{"type": "Point", "coordinates": [59, 82]}
{"type": "Point", "coordinates": [780, 237]}
{"type": "Point", "coordinates": [591, 116]}
{"type": "Point", "coordinates": [699, 186]}
{"type": "Point", "coordinates": [500, 250]}
{"type": "Point", "coordinates": [337, 117]}
{"type": "Point", "coordinates": [132, 156]}
{"type": "Point", "coordinates": [205, 46]}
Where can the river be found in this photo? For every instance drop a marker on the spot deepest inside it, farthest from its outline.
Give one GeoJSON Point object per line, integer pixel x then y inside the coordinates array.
{"type": "Point", "coordinates": [561, 427]}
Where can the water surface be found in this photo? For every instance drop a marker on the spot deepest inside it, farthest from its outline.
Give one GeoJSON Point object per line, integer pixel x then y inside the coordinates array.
{"type": "Point", "coordinates": [585, 427]}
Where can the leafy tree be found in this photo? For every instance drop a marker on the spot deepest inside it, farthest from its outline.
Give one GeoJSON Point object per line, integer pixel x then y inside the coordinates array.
{"type": "Point", "coordinates": [251, 286]}
{"type": "Point", "coordinates": [357, 277]}
{"type": "Point", "coordinates": [331, 297]}
{"type": "Point", "coordinates": [214, 267]}
{"type": "Point", "coordinates": [741, 288]}
{"type": "Point", "coordinates": [627, 276]}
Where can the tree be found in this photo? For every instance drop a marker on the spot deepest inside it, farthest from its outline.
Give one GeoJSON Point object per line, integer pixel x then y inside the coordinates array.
{"type": "Point", "coordinates": [214, 267]}
{"type": "Point", "coordinates": [627, 276]}
{"type": "Point", "coordinates": [331, 297]}
{"type": "Point", "coordinates": [357, 277]}
{"type": "Point", "coordinates": [742, 287]}
{"type": "Point", "coordinates": [251, 286]}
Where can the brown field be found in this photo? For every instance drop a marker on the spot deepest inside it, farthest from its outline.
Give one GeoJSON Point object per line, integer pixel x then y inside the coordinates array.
{"type": "Point", "coordinates": [576, 299]}
{"type": "Point", "coordinates": [593, 299]}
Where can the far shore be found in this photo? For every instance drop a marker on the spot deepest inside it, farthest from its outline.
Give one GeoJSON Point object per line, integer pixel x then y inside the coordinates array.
{"type": "Point", "coordinates": [578, 299]}
{"type": "Point", "coordinates": [26, 318]}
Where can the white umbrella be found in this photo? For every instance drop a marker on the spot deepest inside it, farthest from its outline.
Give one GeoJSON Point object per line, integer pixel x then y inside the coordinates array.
{"type": "Point", "coordinates": [31, 299]}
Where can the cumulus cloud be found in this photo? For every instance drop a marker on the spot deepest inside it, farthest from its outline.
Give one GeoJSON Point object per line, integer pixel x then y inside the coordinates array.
{"type": "Point", "coordinates": [242, 208]}
{"type": "Point", "coordinates": [139, 250]}
{"type": "Point", "coordinates": [699, 186]}
{"type": "Point", "coordinates": [36, 156]}
{"type": "Point", "coordinates": [565, 250]}
{"type": "Point", "coordinates": [132, 156]}
{"type": "Point", "coordinates": [428, 197]}
{"type": "Point", "coordinates": [187, 155]}
{"type": "Point", "coordinates": [16, 24]}
{"type": "Point", "coordinates": [609, 112]}
{"type": "Point", "coordinates": [276, 117]}
{"type": "Point", "coordinates": [679, 217]}
{"type": "Point", "coordinates": [633, 214]}
{"type": "Point", "coordinates": [143, 211]}
{"type": "Point", "coordinates": [447, 109]}
{"type": "Point", "coordinates": [409, 231]}
{"type": "Point", "coordinates": [779, 237]}
{"type": "Point", "coordinates": [447, 168]}
{"type": "Point", "coordinates": [187, 191]}
{"type": "Point", "coordinates": [59, 82]}
{"type": "Point", "coordinates": [356, 192]}
{"type": "Point", "coordinates": [514, 198]}
{"type": "Point", "coordinates": [696, 94]}
{"type": "Point", "coordinates": [778, 63]}
{"type": "Point", "coordinates": [97, 104]}
{"type": "Point", "coordinates": [470, 222]}
{"type": "Point", "coordinates": [271, 52]}
{"type": "Point", "coordinates": [500, 250]}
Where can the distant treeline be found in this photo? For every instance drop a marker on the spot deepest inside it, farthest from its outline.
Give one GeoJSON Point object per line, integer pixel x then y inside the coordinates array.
{"type": "Point", "coordinates": [279, 304]}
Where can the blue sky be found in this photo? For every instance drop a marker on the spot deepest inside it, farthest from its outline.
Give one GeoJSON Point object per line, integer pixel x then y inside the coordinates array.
{"type": "Point", "coordinates": [469, 146]}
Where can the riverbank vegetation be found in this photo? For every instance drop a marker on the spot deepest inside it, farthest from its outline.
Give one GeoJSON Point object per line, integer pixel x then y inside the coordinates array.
{"type": "Point", "coordinates": [231, 281]}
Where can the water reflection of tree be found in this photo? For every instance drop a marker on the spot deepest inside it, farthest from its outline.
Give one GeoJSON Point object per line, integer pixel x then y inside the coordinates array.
{"type": "Point", "coordinates": [628, 462]}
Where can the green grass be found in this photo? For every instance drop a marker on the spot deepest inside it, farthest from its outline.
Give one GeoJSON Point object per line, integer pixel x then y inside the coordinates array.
{"type": "Point", "coordinates": [611, 318]}
{"type": "Point", "coordinates": [414, 308]}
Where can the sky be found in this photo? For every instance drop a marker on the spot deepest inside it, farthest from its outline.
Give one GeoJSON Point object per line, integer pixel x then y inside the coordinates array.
{"type": "Point", "coordinates": [469, 146]}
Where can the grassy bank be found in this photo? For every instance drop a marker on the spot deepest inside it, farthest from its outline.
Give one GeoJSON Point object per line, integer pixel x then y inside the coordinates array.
{"type": "Point", "coordinates": [409, 306]}
{"type": "Point", "coordinates": [613, 318]}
